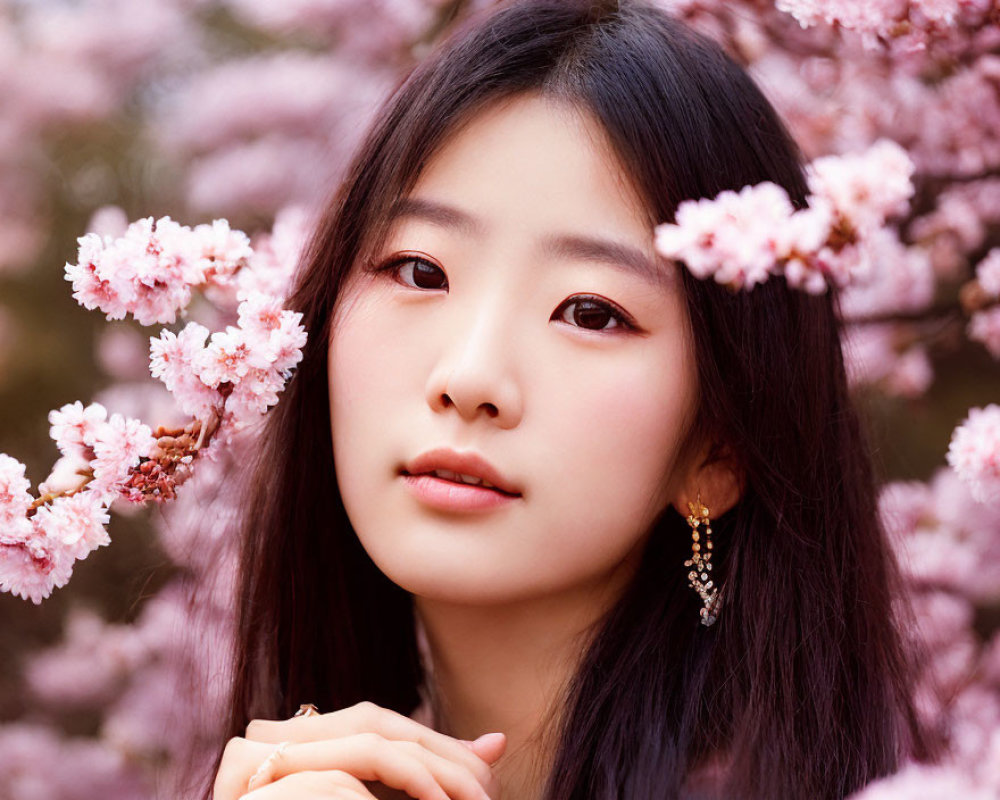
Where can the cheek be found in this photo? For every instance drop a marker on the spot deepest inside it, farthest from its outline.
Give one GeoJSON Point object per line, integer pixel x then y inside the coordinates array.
{"type": "Point", "coordinates": [615, 438]}
{"type": "Point", "coordinates": [362, 381]}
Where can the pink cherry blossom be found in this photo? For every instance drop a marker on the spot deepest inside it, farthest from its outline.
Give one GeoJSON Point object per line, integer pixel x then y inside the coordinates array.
{"type": "Point", "coordinates": [74, 428]}
{"type": "Point", "coordinates": [121, 442]}
{"type": "Point", "coordinates": [263, 175]}
{"type": "Point", "coordinates": [974, 452]}
{"type": "Point", "coordinates": [878, 20]}
{"type": "Point", "coordinates": [958, 224]}
{"type": "Point", "coordinates": [930, 82]}
{"type": "Point", "coordinates": [735, 237]}
{"type": "Point", "coordinates": [263, 318]}
{"type": "Point", "coordinates": [901, 279]}
{"type": "Point", "coordinates": [742, 238]}
{"type": "Point", "coordinates": [221, 250]}
{"type": "Point", "coordinates": [975, 718]}
{"type": "Point", "coordinates": [905, 506]}
{"type": "Point", "coordinates": [75, 522]}
{"type": "Point", "coordinates": [937, 558]}
{"type": "Point", "coordinates": [255, 393]}
{"type": "Point", "coordinates": [984, 327]}
{"type": "Point", "coordinates": [806, 233]}
{"type": "Point", "coordinates": [873, 355]}
{"type": "Point", "coordinates": [15, 499]}
{"type": "Point", "coordinates": [173, 358]}
{"type": "Point", "coordinates": [230, 355]}
{"type": "Point", "coordinates": [911, 375]}
{"type": "Point", "coordinates": [276, 255]}
{"type": "Point", "coordinates": [89, 768]}
{"type": "Point", "coordinates": [865, 188]}
{"type": "Point", "coordinates": [259, 314]}
{"type": "Point", "coordinates": [943, 538]}
{"type": "Point", "coordinates": [942, 617]}
{"type": "Point", "coordinates": [988, 273]}
{"type": "Point", "coordinates": [88, 664]}
{"type": "Point", "coordinates": [146, 272]}
{"type": "Point", "coordinates": [33, 564]}
{"type": "Point", "coordinates": [150, 270]}
{"type": "Point", "coordinates": [92, 286]}
{"type": "Point", "coordinates": [286, 343]}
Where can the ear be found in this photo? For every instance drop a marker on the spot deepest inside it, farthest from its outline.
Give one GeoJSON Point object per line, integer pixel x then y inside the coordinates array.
{"type": "Point", "coordinates": [713, 473]}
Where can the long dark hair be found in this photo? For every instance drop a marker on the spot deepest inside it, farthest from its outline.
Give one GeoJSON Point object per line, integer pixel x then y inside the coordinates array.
{"type": "Point", "coordinates": [802, 688]}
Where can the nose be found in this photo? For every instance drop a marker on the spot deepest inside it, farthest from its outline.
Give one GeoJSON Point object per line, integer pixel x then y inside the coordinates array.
{"type": "Point", "coordinates": [475, 373]}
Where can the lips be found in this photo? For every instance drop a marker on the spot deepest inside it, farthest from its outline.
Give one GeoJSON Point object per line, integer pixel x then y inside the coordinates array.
{"type": "Point", "coordinates": [467, 463]}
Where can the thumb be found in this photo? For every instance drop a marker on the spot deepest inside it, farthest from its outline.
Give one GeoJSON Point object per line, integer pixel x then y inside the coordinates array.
{"type": "Point", "coordinates": [489, 747]}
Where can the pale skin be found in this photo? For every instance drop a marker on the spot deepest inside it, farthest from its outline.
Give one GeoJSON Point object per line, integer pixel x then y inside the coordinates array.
{"type": "Point", "coordinates": [498, 341]}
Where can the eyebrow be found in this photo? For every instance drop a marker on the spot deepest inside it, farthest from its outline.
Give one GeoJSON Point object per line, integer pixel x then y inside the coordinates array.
{"type": "Point", "coordinates": [569, 246]}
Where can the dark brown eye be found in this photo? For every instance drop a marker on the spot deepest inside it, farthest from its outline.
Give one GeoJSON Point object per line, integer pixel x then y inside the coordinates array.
{"type": "Point", "coordinates": [592, 314]}
{"type": "Point", "coordinates": [421, 274]}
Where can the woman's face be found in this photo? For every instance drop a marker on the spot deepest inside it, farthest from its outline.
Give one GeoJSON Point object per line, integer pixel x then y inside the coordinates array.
{"type": "Point", "coordinates": [521, 316]}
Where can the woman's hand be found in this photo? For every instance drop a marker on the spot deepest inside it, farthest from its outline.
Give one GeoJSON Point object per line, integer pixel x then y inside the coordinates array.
{"type": "Point", "coordinates": [333, 755]}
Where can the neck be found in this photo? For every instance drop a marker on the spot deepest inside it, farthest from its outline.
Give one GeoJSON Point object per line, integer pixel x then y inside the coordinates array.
{"type": "Point", "coordinates": [506, 668]}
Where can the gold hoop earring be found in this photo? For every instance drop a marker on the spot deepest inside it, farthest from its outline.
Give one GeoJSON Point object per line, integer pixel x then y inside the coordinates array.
{"type": "Point", "coordinates": [700, 576]}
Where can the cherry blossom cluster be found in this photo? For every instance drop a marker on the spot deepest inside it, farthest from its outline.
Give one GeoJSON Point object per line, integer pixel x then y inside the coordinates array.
{"type": "Point", "coordinates": [742, 238]}
{"type": "Point", "coordinates": [223, 380]}
{"type": "Point", "coordinates": [241, 369]}
{"type": "Point", "coordinates": [974, 452]}
{"type": "Point", "coordinates": [159, 684]}
{"type": "Point", "coordinates": [949, 553]}
{"type": "Point", "coordinates": [103, 458]}
{"type": "Point", "coordinates": [40, 540]}
{"type": "Point", "coordinates": [882, 20]}
{"type": "Point", "coordinates": [983, 299]}
{"type": "Point", "coordinates": [150, 271]}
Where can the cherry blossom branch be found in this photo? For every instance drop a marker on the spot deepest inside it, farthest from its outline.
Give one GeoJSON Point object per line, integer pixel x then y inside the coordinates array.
{"type": "Point", "coordinates": [741, 239]}
{"type": "Point", "coordinates": [224, 382]}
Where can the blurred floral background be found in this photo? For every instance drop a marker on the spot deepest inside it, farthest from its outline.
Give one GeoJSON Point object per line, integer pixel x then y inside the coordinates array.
{"type": "Point", "coordinates": [114, 110]}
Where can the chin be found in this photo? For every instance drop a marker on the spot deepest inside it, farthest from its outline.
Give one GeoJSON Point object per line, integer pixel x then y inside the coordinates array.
{"type": "Point", "coordinates": [461, 583]}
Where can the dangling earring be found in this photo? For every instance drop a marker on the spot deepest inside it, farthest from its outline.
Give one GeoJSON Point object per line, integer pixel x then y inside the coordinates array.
{"type": "Point", "coordinates": [700, 576]}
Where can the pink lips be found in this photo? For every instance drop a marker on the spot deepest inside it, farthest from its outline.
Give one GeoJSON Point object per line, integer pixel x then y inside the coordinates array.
{"type": "Point", "coordinates": [449, 495]}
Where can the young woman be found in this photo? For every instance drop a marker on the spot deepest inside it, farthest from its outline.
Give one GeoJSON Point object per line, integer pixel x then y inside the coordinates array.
{"type": "Point", "coordinates": [674, 582]}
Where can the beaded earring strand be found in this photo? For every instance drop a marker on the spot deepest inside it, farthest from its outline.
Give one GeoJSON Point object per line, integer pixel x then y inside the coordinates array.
{"type": "Point", "coordinates": [701, 561]}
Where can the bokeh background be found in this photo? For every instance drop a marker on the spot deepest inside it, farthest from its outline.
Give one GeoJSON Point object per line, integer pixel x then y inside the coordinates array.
{"type": "Point", "coordinates": [113, 110]}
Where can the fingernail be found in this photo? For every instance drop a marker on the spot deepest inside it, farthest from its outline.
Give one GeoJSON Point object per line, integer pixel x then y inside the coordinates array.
{"type": "Point", "coordinates": [486, 738]}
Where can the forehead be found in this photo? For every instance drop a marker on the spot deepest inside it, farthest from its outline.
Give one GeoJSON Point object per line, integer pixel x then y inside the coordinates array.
{"type": "Point", "coordinates": [537, 169]}
{"type": "Point", "coordinates": [537, 146]}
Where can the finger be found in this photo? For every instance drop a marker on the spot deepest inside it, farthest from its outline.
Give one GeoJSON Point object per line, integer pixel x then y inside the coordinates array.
{"type": "Point", "coordinates": [489, 747]}
{"type": "Point", "coordinates": [240, 760]}
{"type": "Point", "coordinates": [369, 717]}
{"type": "Point", "coordinates": [308, 785]}
{"type": "Point", "coordinates": [369, 756]}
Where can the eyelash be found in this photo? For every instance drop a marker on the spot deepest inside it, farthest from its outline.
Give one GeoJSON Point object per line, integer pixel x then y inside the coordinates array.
{"type": "Point", "coordinates": [623, 320]}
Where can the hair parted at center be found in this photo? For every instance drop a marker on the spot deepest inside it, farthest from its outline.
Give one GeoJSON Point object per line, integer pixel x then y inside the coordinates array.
{"type": "Point", "coordinates": [803, 688]}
